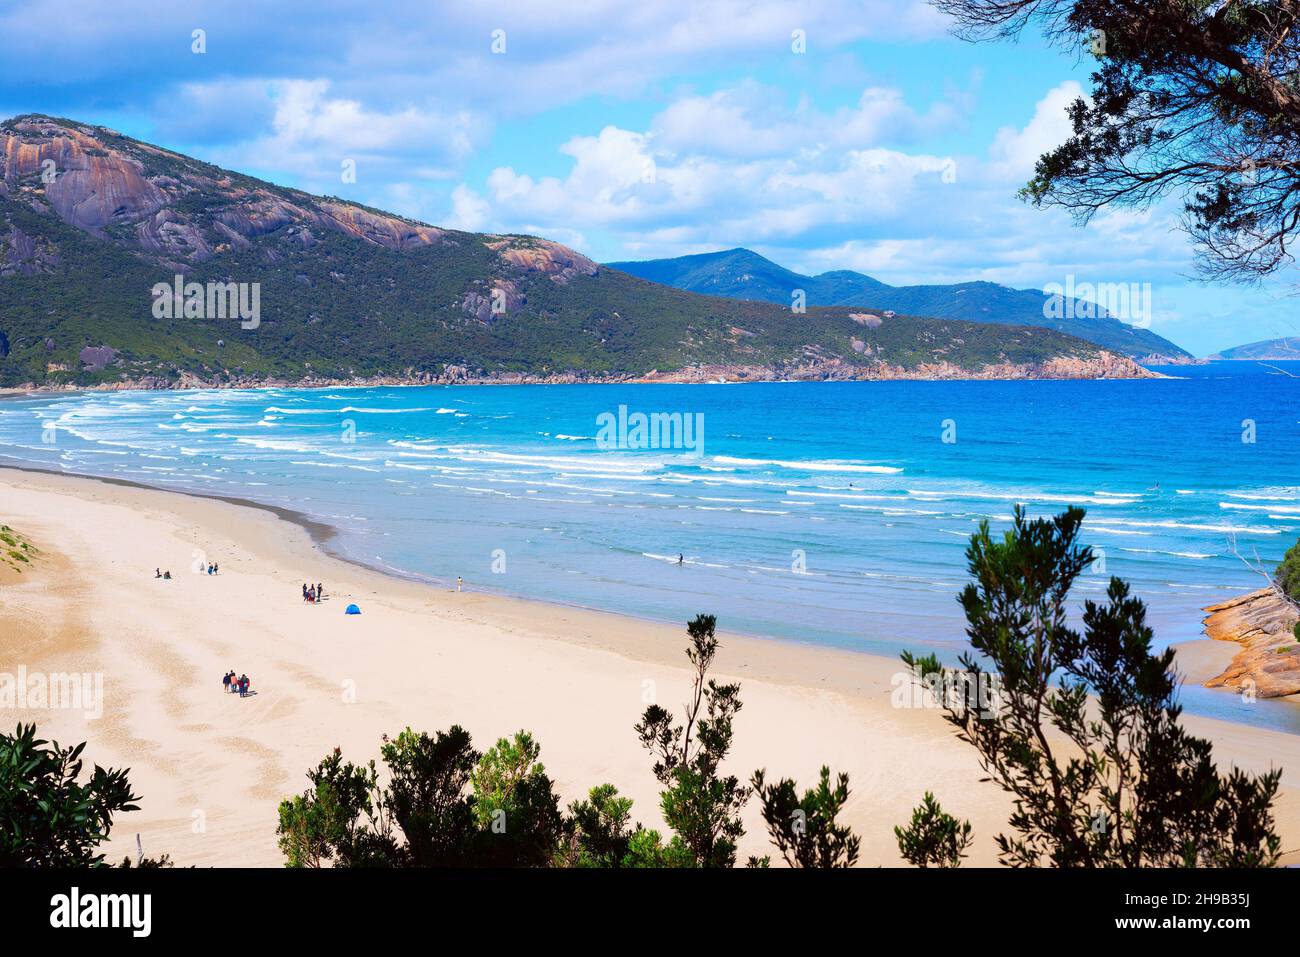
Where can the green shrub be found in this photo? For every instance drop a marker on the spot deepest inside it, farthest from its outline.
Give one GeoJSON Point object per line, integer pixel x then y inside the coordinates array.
{"type": "Point", "coordinates": [1287, 575]}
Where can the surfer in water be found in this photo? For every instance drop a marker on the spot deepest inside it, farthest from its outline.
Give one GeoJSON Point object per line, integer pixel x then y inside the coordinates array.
{"type": "Point", "coordinates": [680, 559]}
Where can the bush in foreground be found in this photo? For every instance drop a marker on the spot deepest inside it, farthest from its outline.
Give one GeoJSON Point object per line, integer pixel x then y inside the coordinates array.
{"type": "Point", "coordinates": [1084, 731]}
{"type": "Point", "coordinates": [47, 817]}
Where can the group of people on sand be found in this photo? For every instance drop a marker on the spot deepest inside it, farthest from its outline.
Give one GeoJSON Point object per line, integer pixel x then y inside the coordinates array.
{"type": "Point", "coordinates": [212, 569]}
{"type": "Point", "coordinates": [232, 684]}
{"type": "Point", "coordinates": [312, 594]}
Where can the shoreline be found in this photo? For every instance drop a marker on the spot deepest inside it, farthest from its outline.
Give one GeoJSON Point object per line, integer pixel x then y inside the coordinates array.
{"type": "Point", "coordinates": [321, 534]}
{"type": "Point", "coordinates": [1056, 369]}
{"type": "Point", "coordinates": [1202, 658]}
{"type": "Point", "coordinates": [427, 657]}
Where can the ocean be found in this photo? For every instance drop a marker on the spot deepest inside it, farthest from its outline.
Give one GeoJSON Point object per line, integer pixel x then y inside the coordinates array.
{"type": "Point", "coordinates": [828, 513]}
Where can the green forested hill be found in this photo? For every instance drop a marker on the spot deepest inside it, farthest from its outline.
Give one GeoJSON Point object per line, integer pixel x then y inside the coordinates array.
{"type": "Point", "coordinates": [90, 221]}
{"type": "Point", "coordinates": [747, 275]}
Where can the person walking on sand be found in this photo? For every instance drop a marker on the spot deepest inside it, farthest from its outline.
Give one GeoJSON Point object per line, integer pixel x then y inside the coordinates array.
{"type": "Point", "coordinates": [460, 582]}
{"type": "Point", "coordinates": [225, 682]}
{"type": "Point", "coordinates": [304, 591]}
{"type": "Point", "coordinates": [320, 592]}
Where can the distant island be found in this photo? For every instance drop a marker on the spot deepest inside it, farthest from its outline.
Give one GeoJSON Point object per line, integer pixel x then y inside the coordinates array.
{"type": "Point", "coordinates": [744, 274]}
{"type": "Point", "coordinates": [125, 265]}
{"type": "Point", "coordinates": [1274, 349]}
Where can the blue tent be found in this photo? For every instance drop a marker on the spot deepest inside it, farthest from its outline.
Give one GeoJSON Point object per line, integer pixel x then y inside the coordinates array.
{"type": "Point", "coordinates": [352, 610]}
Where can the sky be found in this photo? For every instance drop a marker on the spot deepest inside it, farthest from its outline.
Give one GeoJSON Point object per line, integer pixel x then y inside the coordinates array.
{"type": "Point", "coordinates": [838, 134]}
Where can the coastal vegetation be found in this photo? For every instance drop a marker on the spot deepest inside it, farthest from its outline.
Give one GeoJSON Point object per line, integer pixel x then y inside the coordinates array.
{"type": "Point", "coordinates": [1189, 98]}
{"type": "Point", "coordinates": [48, 816]}
{"type": "Point", "coordinates": [1287, 574]}
{"type": "Point", "coordinates": [447, 805]}
{"type": "Point", "coordinates": [16, 552]}
{"type": "Point", "coordinates": [1082, 728]}
{"type": "Point", "coordinates": [933, 838]}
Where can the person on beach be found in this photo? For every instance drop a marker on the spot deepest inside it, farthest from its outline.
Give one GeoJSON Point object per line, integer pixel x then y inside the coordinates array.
{"type": "Point", "coordinates": [225, 681]}
{"type": "Point", "coordinates": [320, 592]}
{"type": "Point", "coordinates": [681, 560]}
{"type": "Point", "coordinates": [168, 574]}
{"type": "Point", "coordinates": [157, 573]}
{"type": "Point", "coordinates": [304, 591]}
{"type": "Point", "coordinates": [311, 595]}
{"type": "Point", "coordinates": [459, 583]}
{"type": "Point", "coordinates": [215, 568]}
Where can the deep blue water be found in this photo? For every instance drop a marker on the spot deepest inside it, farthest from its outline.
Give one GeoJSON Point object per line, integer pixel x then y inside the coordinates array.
{"type": "Point", "coordinates": [833, 513]}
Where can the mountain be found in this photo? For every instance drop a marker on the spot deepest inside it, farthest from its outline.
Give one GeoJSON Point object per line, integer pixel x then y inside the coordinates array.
{"type": "Point", "coordinates": [1285, 348]}
{"type": "Point", "coordinates": [743, 274]}
{"type": "Point", "coordinates": [116, 256]}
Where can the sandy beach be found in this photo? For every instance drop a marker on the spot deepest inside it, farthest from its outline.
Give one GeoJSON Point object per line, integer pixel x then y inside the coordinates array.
{"type": "Point", "coordinates": [211, 768]}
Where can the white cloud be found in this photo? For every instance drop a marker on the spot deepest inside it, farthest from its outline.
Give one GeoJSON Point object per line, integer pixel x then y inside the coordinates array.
{"type": "Point", "coordinates": [727, 168]}
{"type": "Point", "coordinates": [752, 121]}
{"type": "Point", "coordinates": [817, 191]}
{"type": "Point", "coordinates": [401, 50]}
{"type": "Point", "coordinates": [469, 211]}
{"type": "Point", "coordinates": [1015, 151]}
{"type": "Point", "coordinates": [311, 132]}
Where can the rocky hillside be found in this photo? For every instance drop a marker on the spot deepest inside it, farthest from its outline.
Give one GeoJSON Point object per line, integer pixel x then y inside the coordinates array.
{"type": "Point", "coordinates": [96, 228]}
{"type": "Point", "coordinates": [743, 274]}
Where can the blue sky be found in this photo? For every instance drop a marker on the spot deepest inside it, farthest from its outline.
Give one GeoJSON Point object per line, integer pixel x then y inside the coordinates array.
{"type": "Point", "coordinates": [635, 130]}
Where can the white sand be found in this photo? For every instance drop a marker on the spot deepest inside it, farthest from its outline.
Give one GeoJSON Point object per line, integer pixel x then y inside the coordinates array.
{"type": "Point", "coordinates": [211, 768]}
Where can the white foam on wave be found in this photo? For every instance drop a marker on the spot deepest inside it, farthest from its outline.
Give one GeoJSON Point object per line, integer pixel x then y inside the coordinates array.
{"type": "Point", "coordinates": [686, 560]}
{"type": "Point", "coordinates": [1160, 551]}
{"type": "Point", "coordinates": [889, 510]}
{"type": "Point", "coordinates": [1238, 506]}
{"type": "Point", "coordinates": [1023, 497]}
{"type": "Point", "coordinates": [854, 496]}
{"type": "Point", "coordinates": [355, 408]}
{"type": "Point", "coordinates": [1282, 494]}
{"type": "Point", "coordinates": [1197, 526]}
{"type": "Point", "coordinates": [811, 466]}
{"type": "Point", "coordinates": [274, 445]}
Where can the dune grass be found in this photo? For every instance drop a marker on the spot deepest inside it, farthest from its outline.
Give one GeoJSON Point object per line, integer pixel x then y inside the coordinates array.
{"type": "Point", "coordinates": [16, 552]}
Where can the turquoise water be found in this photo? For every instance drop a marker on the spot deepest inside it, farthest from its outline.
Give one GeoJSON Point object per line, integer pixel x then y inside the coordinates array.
{"type": "Point", "coordinates": [833, 513]}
